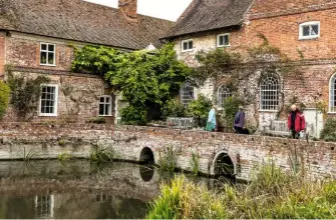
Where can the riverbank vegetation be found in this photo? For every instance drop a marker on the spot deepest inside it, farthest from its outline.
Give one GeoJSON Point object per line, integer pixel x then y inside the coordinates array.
{"type": "Point", "coordinates": [272, 194]}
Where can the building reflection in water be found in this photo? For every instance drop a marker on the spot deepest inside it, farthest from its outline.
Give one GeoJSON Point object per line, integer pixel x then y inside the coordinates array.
{"type": "Point", "coordinates": [44, 206]}
{"type": "Point", "coordinates": [147, 172]}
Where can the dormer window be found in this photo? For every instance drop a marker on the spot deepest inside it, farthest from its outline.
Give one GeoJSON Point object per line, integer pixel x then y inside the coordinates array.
{"type": "Point", "coordinates": [310, 30]}
{"type": "Point", "coordinates": [223, 40]}
{"type": "Point", "coordinates": [187, 45]}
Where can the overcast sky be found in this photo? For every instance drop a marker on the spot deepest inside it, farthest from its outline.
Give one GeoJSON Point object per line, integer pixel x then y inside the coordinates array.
{"type": "Point", "coordinates": [166, 9]}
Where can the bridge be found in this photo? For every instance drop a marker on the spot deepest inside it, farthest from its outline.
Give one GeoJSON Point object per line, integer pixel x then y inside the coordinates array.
{"type": "Point", "coordinates": [241, 153]}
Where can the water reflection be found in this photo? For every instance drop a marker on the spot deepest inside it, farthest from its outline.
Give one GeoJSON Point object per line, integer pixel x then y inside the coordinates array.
{"type": "Point", "coordinates": [78, 189]}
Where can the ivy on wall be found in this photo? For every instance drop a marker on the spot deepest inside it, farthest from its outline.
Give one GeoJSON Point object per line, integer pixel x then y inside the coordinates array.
{"type": "Point", "coordinates": [25, 93]}
{"type": "Point", "coordinates": [4, 98]}
{"type": "Point", "coordinates": [146, 80]}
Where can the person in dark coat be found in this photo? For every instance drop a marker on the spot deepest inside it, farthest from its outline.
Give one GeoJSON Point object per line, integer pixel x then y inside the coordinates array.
{"type": "Point", "coordinates": [239, 122]}
{"type": "Point", "coordinates": [296, 122]}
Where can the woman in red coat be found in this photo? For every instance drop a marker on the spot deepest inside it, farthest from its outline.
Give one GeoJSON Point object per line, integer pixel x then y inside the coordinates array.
{"type": "Point", "coordinates": [296, 122]}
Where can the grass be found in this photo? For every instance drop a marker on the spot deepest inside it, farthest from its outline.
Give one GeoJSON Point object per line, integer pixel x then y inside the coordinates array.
{"type": "Point", "coordinates": [168, 161]}
{"type": "Point", "coordinates": [64, 156]}
{"type": "Point", "coordinates": [102, 154]}
{"type": "Point", "coordinates": [27, 156]}
{"type": "Point", "coordinates": [272, 194]}
{"type": "Point", "coordinates": [194, 163]}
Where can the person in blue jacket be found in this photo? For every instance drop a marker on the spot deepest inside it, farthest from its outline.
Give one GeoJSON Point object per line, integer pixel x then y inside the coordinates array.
{"type": "Point", "coordinates": [239, 122]}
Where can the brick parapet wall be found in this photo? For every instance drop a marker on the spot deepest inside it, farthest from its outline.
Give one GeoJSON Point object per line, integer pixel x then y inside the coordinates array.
{"type": "Point", "coordinates": [246, 152]}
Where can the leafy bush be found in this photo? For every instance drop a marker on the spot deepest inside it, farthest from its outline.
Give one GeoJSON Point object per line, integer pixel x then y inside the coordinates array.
{"type": "Point", "coordinates": [199, 110]}
{"type": "Point", "coordinates": [173, 108]}
{"type": "Point", "coordinates": [146, 81]}
{"type": "Point", "coordinates": [4, 98]}
{"type": "Point", "coordinates": [329, 132]}
{"type": "Point", "coordinates": [272, 194]}
{"type": "Point", "coordinates": [231, 107]}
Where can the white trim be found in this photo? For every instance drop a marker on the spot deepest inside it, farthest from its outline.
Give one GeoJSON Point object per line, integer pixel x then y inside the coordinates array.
{"type": "Point", "coordinates": [110, 109]}
{"type": "Point", "coordinates": [310, 23]}
{"type": "Point", "coordinates": [222, 35]}
{"type": "Point", "coordinates": [48, 52]}
{"type": "Point", "coordinates": [228, 91]}
{"type": "Point", "coordinates": [56, 102]}
{"type": "Point", "coordinates": [332, 87]}
{"type": "Point", "coordinates": [187, 41]}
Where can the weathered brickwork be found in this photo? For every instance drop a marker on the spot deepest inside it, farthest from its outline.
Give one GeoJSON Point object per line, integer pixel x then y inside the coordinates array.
{"type": "Point", "coordinates": [246, 152]}
{"type": "Point", "coordinates": [279, 23]}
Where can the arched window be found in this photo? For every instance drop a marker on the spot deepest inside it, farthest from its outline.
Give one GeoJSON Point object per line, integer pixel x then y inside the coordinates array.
{"type": "Point", "coordinates": [187, 93]}
{"type": "Point", "coordinates": [332, 95]}
{"type": "Point", "coordinates": [222, 94]}
{"type": "Point", "coordinates": [269, 93]}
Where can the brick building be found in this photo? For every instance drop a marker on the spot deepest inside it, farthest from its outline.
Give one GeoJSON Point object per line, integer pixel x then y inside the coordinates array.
{"type": "Point", "coordinates": [302, 30]}
{"type": "Point", "coordinates": [37, 38]}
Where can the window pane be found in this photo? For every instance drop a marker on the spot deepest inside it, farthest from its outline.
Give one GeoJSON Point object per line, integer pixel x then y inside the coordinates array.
{"type": "Point", "coordinates": [44, 57]}
{"type": "Point", "coordinates": [221, 40]}
{"type": "Point", "coordinates": [315, 30]}
{"type": "Point", "coordinates": [226, 40]}
{"type": "Point", "coordinates": [107, 109]}
{"type": "Point", "coordinates": [43, 46]}
{"type": "Point", "coordinates": [102, 99]}
{"type": "Point", "coordinates": [50, 58]}
{"type": "Point", "coordinates": [305, 30]}
{"type": "Point", "coordinates": [101, 109]}
{"type": "Point", "coordinates": [190, 45]}
{"type": "Point", "coordinates": [185, 46]}
{"type": "Point", "coordinates": [51, 48]}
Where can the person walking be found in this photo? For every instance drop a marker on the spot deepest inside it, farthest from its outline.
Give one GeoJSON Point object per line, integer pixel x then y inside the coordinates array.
{"type": "Point", "coordinates": [239, 122]}
{"type": "Point", "coordinates": [211, 123]}
{"type": "Point", "coordinates": [296, 122]}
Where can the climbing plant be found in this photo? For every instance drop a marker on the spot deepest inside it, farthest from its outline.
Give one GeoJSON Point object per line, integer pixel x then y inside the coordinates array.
{"type": "Point", "coordinates": [146, 80]}
{"type": "Point", "coordinates": [199, 110]}
{"type": "Point", "coordinates": [4, 98]}
{"type": "Point", "coordinates": [25, 93]}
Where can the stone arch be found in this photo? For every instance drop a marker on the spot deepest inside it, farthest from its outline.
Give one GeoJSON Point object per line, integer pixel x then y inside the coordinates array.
{"type": "Point", "coordinates": [147, 156]}
{"type": "Point", "coordinates": [223, 165]}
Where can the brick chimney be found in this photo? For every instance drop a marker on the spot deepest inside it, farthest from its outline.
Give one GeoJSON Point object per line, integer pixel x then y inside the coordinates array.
{"type": "Point", "coordinates": [129, 8]}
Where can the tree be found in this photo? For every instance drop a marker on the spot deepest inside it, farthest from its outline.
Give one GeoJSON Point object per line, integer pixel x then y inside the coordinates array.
{"type": "Point", "coordinates": [146, 80]}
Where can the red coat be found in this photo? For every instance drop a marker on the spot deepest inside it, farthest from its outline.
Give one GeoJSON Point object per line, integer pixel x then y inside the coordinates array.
{"type": "Point", "coordinates": [300, 122]}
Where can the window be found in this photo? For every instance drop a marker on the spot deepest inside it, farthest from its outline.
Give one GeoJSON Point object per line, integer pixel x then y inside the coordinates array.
{"type": "Point", "coordinates": [187, 93]}
{"type": "Point", "coordinates": [47, 54]}
{"type": "Point", "coordinates": [48, 100]}
{"type": "Point", "coordinates": [269, 93]}
{"type": "Point", "coordinates": [310, 30]}
{"type": "Point", "coordinates": [222, 94]}
{"type": "Point", "coordinates": [332, 96]}
{"type": "Point", "coordinates": [105, 105]}
{"type": "Point", "coordinates": [223, 40]}
{"type": "Point", "coordinates": [187, 45]}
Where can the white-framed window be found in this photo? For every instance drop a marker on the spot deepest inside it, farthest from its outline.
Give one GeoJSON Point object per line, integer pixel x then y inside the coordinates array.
{"type": "Point", "coordinates": [187, 45]}
{"type": "Point", "coordinates": [223, 40]}
{"type": "Point", "coordinates": [105, 105]}
{"type": "Point", "coordinates": [187, 93]}
{"type": "Point", "coordinates": [269, 93]}
{"type": "Point", "coordinates": [310, 30]}
{"type": "Point", "coordinates": [47, 54]}
{"type": "Point", "coordinates": [332, 94]}
{"type": "Point", "coordinates": [222, 94]}
{"type": "Point", "coordinates": [48, 100]}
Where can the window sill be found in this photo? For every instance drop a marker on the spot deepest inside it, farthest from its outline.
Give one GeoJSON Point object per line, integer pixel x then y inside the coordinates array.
{"type": "Point", "coordinates": [221, 46]}
{"type": "Point", "coordinates": [106, 116]}
{"type": "Point", "coordinates": [47, 115]}
{"type": "Point", "coordinates": [53, 65]}
{"type": "Point", "coordinates": [331, 113]}
{"type": "Point", "coordinates": [270, 111]}
{"type": "Point", "coordinates": [184, 51]}
{"type": "Point", "coordinates": [308, 38]}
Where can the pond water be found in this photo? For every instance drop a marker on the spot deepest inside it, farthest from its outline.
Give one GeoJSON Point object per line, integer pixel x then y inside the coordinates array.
{"type": "Point", "coordinates": [79, 189]}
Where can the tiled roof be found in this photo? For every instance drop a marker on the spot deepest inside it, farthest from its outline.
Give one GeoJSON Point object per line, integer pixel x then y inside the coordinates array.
{"type": "Point", "coordinates": [81, 21]}
{"type": "Point", "coordinates": [204, 15]}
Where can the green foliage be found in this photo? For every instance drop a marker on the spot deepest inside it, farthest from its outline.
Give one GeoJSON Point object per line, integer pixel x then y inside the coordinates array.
{"type": "Point", "coordinates": [169, 159]}
{"type": "Point", "coordinates": [216, 62]}
{"type": "Point", "coordinates": [102, 154]}
{"type": "Point", "coordinates": [231, 107]}
{"type": "Point", "coordinates": [199, 109]}
{"type": "Point", "coordinates": [194, 163]}
{"type": "Point", "coordinates": [329, 132]}
{"type": "Point", "coordinates": [64, 157]}
{"type": "Point", "coordinates": [25, 93]}
{"type": "Point", "coordinates": [4, 98]}
{"type": "Point", "coordinates": [173, 108]}
{"type": "Point", "coordinates": [272, 194]}
{"type": "Point", "coordinates": [146, 80]}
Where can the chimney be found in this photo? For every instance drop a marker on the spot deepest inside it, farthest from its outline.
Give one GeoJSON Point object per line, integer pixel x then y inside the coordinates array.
{"type": "Point", "coordinates": [129, 8]}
